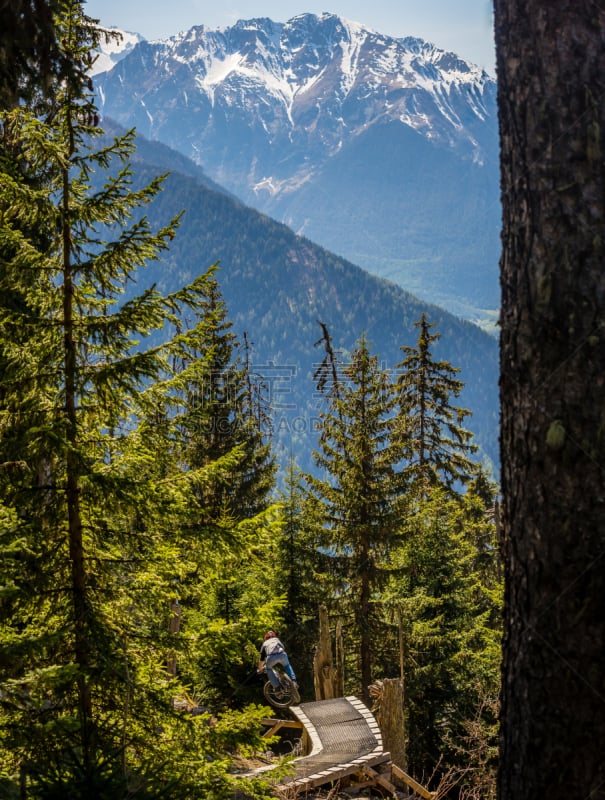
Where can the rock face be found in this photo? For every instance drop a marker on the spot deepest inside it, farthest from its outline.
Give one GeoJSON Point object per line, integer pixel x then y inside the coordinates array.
{"type": "Point", "coordinates": [383, 150]}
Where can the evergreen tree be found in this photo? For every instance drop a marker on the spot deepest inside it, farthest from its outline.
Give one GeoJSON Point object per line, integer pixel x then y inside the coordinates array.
{"type": "Point", "coordinates": [451, 632]}
{"type": "Point", "coordinates": [302, 572]}
{"type": "Point", "coordinates": [359, 493]}
{"type": "Point", "coordinates": [222, 416]}
{"type": "Point", "coordinates": [89, 529]}
{"type": "Point", "coordinates": [435, 444]}
{"type": "Point", "coordinates": [231, 522]}
{"type": "Point", "coordinates": [33, 62]}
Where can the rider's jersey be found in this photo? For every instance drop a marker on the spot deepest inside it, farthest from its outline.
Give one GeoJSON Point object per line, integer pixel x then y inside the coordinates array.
{"type": "Point", "coordinates": [270, 647]}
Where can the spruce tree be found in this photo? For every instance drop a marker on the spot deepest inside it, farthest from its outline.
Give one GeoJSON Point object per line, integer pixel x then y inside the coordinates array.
{"type": "Point", "coordinates": [230, 521]}
{"type": "Point", "coordinates": [90, 524]}
{"type": "Point", "coordinates": [358, 492]}
{"type": "Point", "coordinates": [221, 415]}
{"type": "Point", "coordinates": [33, 62]}
{"type": "Point", "coordinates": [302, 571]}
{"type": "Point", "coordinates": [435, 445]}
{"type": "Point", "coordinates": [451, 633]}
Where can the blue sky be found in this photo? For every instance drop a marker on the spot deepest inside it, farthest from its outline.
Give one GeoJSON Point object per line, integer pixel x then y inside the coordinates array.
{"type": "Point", "coordinates": [464, 26]}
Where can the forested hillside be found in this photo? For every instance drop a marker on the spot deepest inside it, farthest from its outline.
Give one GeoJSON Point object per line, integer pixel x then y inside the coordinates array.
{"type": "Point", "coordinates": [278, 285]}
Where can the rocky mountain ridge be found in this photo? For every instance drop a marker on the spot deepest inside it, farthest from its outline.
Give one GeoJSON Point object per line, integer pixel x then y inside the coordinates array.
{"type": "Point", "coordinates": [383, 150]}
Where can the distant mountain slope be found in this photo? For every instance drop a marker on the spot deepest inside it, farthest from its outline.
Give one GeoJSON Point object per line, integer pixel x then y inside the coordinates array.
{"type": "Point", "coordinates": [382, 149]}
{"type": "Point", "coordinates": [277, 285]}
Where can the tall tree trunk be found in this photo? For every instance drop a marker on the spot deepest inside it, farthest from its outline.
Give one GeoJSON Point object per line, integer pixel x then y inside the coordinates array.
{"type": "Point", "coordinates": [81, 611]}
{"type": "Point", "coordinates": [551, 76]}
{"type": "Point", "coordinates": [391, 721]}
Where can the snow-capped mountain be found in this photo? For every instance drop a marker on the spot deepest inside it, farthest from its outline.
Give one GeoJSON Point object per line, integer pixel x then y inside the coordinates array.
{"type": "Point", "coordinates": [382, 149]}
{"type": "Point", "coordinates": [113, 48]}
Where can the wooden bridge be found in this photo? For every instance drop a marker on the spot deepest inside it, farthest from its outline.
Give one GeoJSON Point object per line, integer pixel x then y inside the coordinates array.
{"type": "Point", "coordinates": [342, 741]}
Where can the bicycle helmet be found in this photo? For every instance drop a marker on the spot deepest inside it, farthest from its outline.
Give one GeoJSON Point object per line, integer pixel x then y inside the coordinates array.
{"type": "Point", "coordinates": [270, 635]}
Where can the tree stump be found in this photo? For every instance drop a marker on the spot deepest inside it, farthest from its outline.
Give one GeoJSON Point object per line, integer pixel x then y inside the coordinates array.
{"type": "Point", "coordinates": [390, 720]}
{"type": "Point", "coordinates": [325, 674]}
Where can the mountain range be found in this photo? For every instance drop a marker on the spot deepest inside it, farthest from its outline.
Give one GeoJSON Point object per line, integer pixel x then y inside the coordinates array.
{"type": "Point", "coordinates": [381, 150]}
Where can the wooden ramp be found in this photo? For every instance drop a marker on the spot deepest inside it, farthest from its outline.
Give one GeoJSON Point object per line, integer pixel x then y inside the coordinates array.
{"type": "Point", "coordinates": [344, 737]}
{"type": "Point", "coordinates": [343, 741]}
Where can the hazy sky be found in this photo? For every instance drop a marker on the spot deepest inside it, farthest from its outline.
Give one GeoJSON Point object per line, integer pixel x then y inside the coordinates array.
{"type": "Point", "coordinates": [464, 26]}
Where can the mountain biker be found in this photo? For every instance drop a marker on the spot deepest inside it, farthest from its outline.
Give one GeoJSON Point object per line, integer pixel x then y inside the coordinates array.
{"type": "Point", "coordinates": [273, 652]}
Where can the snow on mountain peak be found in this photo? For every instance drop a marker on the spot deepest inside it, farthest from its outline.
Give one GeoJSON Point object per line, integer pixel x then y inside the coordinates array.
{"type": "Point", "coordinates": [305, 86]}
{"type": "Point", "coordinates": [113, 48]}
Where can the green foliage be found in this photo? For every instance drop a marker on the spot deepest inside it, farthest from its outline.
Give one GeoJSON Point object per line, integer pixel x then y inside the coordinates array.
{"type": "Point", "coordinates": [230, 522]}
{"type": "Point", "coordinates": [141, 552]}
{"type": "Point", "coordinates": [359, 495]}
{"type": "Point", "coordinates": [449, 600]}
{"type": "Point", "coordinates": [434, 443]}
{"type": "Point", "coordinates": [414, 564]}
{"type": "Point", "coordinates": [98, 504]}
{"type": "Point", "coordinates": [301, 574]}
{"type": "Point", "coordinates": [33, 62]}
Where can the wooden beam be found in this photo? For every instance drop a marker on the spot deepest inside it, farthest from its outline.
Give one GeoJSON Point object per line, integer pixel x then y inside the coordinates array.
{"type": "Point", "coordinates": [284, 723]}
{"type": "Point", "coordinates": [331, 775]}
{"type": "Point", "coordinates": [380, 779]}
{"type": "Point", "coordinates": [409, 781]}
{"type": "Point", "coordinates": [278, 724]}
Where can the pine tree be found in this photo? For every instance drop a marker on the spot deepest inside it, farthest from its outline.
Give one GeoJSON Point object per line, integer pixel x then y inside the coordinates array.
{"type": "Point", "coordinates": [221, 416]}
{"type": "Point", "coordinates": [231, 521]}
{"type": "Point", "coordinates": [33, 62]}
{"type": "Point", "coordinates": [301, 572]}
{"type": "Point", "coordinates": [359, 495]}
{"type": "Point", "coordinates": [451, 632]}
{"type": "Point", "coordinates": [435, 444]}
{"type": "Point", "coordinates": [90, 524]}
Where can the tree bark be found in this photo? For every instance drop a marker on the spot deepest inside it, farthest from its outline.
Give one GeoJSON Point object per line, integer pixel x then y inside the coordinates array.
{"type": "Point", "coordinates": [551, 84]}
{"type": "Point", "coordinates": [325, 674]}
{"type": "Point", "coordinates": [390, 720]}
{"type": "Point", "coordinates": [77, 556]}
{"type": "Point", "coordinates": [340, 662]}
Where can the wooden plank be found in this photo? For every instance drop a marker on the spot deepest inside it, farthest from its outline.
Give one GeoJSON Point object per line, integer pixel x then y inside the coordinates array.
{"type": "Point", "coordinates": [330, 775]}
{"type": "Point", "coordinates": [407, 779]}
{"type": "Point", "coordinates": [284, 723]}
{"type": "Point", "coordinates": [272, 731]}
{"type": "Point", "coordinates": [380, 779]}
{"type": "Point", "coordinates": [278, 724]}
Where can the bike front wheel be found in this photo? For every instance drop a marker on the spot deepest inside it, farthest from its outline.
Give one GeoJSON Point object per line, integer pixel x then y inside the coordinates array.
{"type": "Point", "coordinates": [283, 695]}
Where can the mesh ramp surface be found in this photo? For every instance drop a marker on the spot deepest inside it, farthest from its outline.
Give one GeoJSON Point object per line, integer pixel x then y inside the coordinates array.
{"type": "Point", "coordinates": [344, 736]}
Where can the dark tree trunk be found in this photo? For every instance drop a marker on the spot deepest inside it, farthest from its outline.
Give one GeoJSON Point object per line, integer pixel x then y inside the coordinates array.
{"type": "Point", "coordinates": [551, 75]}
{"type": "Point", "coordinates": [366, 643]}
{"type": "Point", "coordinates": [79, 578]}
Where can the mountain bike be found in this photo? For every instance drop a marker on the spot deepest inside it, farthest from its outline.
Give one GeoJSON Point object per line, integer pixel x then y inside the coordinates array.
{"type": "Point", "coordinates": [283, 695]}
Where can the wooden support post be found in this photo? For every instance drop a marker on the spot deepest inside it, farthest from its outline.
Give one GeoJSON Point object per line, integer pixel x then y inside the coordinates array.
{"type": "Point", "coordinates": [324, 672]}
{"type": "Point", "coordinates": [380, 780]}
{"type": "Point", "coordinates": [409, 781]}
{"type": "Point", "coordinates": [390, 719]}
{"type": "Point", "coordinates": [278, 724]}
{"type": "Point", "coordinates": [340, 662]}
